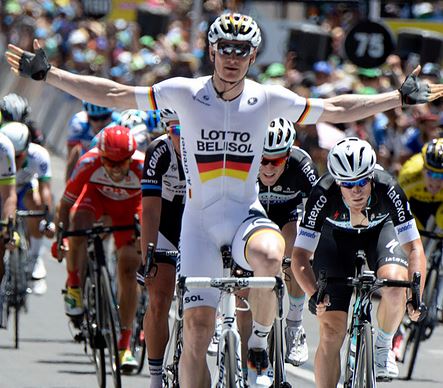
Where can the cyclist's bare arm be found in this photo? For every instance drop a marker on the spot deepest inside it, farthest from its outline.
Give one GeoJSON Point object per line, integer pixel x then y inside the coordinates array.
{"type": "Point", "coordinates": [152, 207]}
{"type": "Point", "coordinates": [63, 213]}
{"type": "Point", "coordinates": [289, 232]}
{"type": "Point", "coordinates": [44, 188]}
{"type": "Point", "coordinates": [99, 91]}
{"type": "Point", "coordinates": [416, 260]}
{"type": "Point", "coordinates": [9, 201]}
{"type": "Point", "coordinates": [352, 107]}
{"type": "Point", "coordinates": [301, 268]}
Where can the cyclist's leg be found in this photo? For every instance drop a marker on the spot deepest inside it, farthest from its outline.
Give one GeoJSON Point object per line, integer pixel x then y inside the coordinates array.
{"type": "Point", "coordinates": [85, 211]}
{"type": "Point", "coordinates": [391, 263]}
{"type": "Point", "coordinates": [199, 256]}
{"type": "Point", "coordinates": [156, 320]}
{"type": "Point", "coordinates": [259, 245]}
{"type": "Point", "coordinates": [30, 199]}
{"type": "Point", "coordinates": [336, 255]}
{"type": "Point", "coordinates": [122, 213]}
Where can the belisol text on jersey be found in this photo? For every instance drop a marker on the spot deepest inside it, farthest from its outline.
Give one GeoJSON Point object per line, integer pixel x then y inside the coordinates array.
{"type": "Point", "coordinates": [218, 140]}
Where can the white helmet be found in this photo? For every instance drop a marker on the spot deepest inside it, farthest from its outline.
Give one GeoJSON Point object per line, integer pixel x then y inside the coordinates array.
{"type": "Point", "coordinates": [14, 107]}
{"type": "Point", "coordinates": [133, 117]}
{"type": "Point", "coordinates": [280, 136]}
{"type": "Point", "coordinates": [167, 115]}
{"type": "Point", "coordinates": [351, 159]}
{"type": "Point", "coordinates": [19, 135]}
{"type": "Point", "coordinates": [235, 26]}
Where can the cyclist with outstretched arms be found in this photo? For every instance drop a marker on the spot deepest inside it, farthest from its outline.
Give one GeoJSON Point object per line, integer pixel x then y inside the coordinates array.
{"type": "Point", "coordinates": [223, 121]}
{"type": "Point", "coordinates": [8, 195]}
{"type": "Point", "coordinates": [356, 208]}
{"type": "Point", "coordinates": [106, 180]}
{"type": "Point", "coordinates": [287, 174]}
{"type": "Point", "coordinates": [33, 186]}
{"type": "Point", "coordinates": [163, 198]}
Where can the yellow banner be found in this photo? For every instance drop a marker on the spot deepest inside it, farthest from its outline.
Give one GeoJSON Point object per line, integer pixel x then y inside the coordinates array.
{"type": "Point", "coordinates": [397, 24]}
{"type": "Point", "coordinates": [125, 9]}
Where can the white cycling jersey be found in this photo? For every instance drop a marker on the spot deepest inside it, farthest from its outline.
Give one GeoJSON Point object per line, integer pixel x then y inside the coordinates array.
{"type": "Point", "coordinates": [36, 166]}
{"type": "Point", "coordinates": [7, 161]}
{"type": "Point", "coordinates": [221, 148]}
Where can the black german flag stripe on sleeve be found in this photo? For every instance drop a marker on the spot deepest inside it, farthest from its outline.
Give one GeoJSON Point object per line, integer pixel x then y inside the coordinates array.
{"type": "Point", "coordinates": [305, 112]}
{"type": "Point", "coordinates": [213, 166]}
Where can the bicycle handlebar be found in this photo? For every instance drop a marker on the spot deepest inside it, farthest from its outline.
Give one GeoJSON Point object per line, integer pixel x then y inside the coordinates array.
{"type": "Point", "coordinates": [225, 283]}
{"type": "Point", "coordinates": [96, 229]}
{"type": "Point", "coordinates": [432, 235]}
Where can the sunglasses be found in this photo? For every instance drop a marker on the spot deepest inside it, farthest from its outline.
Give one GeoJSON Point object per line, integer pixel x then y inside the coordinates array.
{"type": "Point", "coordinates": [114, 163]}
{"type": "Point", "coordinates": [239, 50]}
{"type": "Point", "coordinates": [434, 175]}
{"type": "Point", "coordinates": [100, 117]}
{"type": "Point", "coordinates": [360, 183]}
{"type": "Point", "coordinates": [274, 162]}
{"type": "Point", "coordinates": [175, 129]}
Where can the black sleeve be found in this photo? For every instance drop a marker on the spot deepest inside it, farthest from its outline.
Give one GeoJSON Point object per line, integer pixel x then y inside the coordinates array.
{"type": "Point", "coordinates": [157, 160]}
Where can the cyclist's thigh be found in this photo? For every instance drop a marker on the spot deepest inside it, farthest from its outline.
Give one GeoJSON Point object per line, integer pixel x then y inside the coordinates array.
{"type": "Point", "coordinates": [250, 226]}
{"type": "Point", "coordinates": [388, 249]}
{"type": "Point", "coordinates": [87, 208]}
{"type": "Point", "coordinates": [122, 213]}
{"type": "Point", "coordinates": [199, 256]}
{"type": "Point", "coordinates": [335, 254]}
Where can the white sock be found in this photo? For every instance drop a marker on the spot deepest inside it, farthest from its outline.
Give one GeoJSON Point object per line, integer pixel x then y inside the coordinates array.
{"type": "Point", "coordinates": [35, 246]}
{"type": "Point", "coordinates": [259, 336]}
{"type": "Point", "coordinates": [384, 340]}
{"type": "Point", "coordinates": [295, 313]}
{"type": "Point", "coordinates": [156, 371]}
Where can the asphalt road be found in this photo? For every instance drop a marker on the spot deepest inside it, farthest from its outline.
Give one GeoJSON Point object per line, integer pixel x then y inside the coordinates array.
{"type": "Point", "coordinates": [49, 358]}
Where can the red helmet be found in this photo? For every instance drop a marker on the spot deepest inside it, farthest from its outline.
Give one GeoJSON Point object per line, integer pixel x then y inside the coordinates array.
{"type": "Point", "coordinates": [116, 143]}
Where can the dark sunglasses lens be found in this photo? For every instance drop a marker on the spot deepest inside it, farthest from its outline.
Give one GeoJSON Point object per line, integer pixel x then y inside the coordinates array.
{"type": "Point", "coordinates": [238, 50]}
{"type": "Point", "coordinates": [361, 183]}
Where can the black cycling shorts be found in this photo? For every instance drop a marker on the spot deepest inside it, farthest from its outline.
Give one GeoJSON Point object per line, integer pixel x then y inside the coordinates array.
{"type": "Point", "coordinates": [337, 251]}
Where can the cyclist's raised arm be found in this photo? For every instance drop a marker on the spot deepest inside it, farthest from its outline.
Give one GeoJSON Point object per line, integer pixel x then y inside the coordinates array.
{"type": "Point", "coordinates": [348, 108]}
{"type": "Point", "coordinates": [99, 91]}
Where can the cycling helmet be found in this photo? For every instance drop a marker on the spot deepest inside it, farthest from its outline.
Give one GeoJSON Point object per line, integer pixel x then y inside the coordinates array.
{"type": "Point", "coordinates": [168, 115]}
{"type": "Point", "coordinates": [116, 143]}
{"type": "Point", "coordinates": [14, 108]}
{"type": "Point", "coordinates": [133, 117]}
{"type": "Point", "coordinates": [19, 135]}
{"type": "Point", "coordinates": [351, 159]}
{"type": "Point", "coordinates": [279, 137]}
{"type": "Point", "coordinates": [432, 153]}
{"type": "Point", "coordinates": [95, 110]}
{"type": "Point", "coordinates": [234, 26]}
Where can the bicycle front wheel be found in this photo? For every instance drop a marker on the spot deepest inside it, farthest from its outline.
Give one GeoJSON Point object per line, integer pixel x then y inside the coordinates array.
{"type": "Point", "coordinates": [14, 298]}
{"type": "Point", "coordinates": [230, 361]}
{"type": "Point", "coordinates": [418, 329]}
{"type": "Point", "coordinates": [365, 371]}
{"type": "Point", "coordinates": [109, 323]}
{"type": "Point", "coordinates": [138, 344]}
{"type": "Point", "coordinates": [276, 354]}
{"type": "Point", "coordinates": [95, 339]}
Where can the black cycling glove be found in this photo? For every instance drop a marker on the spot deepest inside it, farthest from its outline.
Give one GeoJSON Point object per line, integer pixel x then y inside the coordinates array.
{"type": "Point", "coordinates": [413, 91]}
{"type": "Point", "coordinates": [34, 66]}
{"type": "Point", "coordinates": [312, 304]}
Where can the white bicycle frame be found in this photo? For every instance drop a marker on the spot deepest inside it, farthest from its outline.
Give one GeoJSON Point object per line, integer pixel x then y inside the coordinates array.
{"type": "Point", "coordinates": [228, 286]}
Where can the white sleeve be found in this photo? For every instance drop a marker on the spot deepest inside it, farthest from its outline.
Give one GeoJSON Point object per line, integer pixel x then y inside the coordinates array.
{"type": "Point", "coordinates": [307, 239]}
{"type": "Point", "coordinates": [287, 104]}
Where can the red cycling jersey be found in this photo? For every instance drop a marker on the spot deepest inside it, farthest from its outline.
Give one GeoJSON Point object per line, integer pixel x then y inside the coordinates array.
{"type": "Point", "coordinates": [91, 189]}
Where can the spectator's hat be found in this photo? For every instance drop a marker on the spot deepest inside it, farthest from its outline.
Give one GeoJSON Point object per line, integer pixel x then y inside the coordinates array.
{"type": "Point", "coordinates": [369, 72]}
{"type": "Point", "coordinates": [431, 69]}
{"type": "Point", "coordinates": [322, 67]}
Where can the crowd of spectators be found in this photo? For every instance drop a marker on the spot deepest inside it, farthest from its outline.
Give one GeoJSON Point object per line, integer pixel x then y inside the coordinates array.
{"type": "Point", "coordinates": [117, 49]}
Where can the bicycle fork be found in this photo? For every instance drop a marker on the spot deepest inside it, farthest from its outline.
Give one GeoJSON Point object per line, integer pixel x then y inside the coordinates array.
{"type": "Point", "coordinates": [229, 331]}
